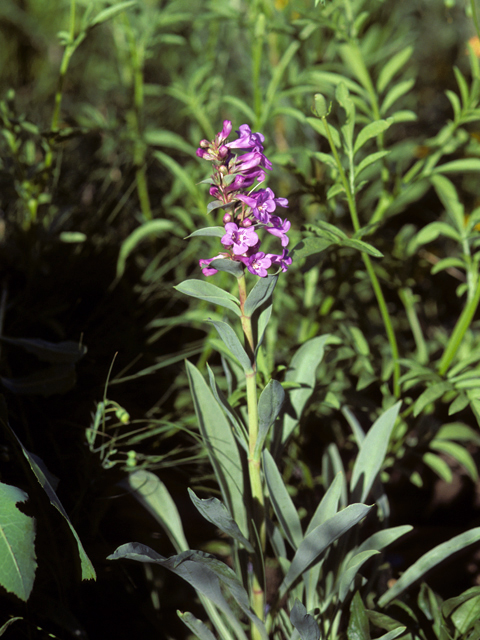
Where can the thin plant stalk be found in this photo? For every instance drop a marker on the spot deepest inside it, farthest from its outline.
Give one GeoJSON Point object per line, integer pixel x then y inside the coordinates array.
{"type": "Point", "coordinates": [254, 462]}
{"type": "Point", "coordinates": [369, 267]}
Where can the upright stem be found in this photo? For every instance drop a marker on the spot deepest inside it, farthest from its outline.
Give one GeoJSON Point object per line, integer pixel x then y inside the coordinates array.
{"type": "Point", "coordinates": [254, 465]}
{"type": "Point", "coordinates": [369, 267]}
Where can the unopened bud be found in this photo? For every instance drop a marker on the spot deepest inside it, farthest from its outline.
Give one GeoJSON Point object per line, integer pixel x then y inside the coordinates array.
{"type": "Point", "coordinates": [227, 218]}
{"type": "Point", "coordinates": [246, 223]}
{"type": "Point", "coordinates": [320, 108]}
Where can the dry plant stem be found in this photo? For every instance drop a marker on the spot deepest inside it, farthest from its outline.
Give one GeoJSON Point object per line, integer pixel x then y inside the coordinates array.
{"type": "Point", "coordinates": [369, 267]}
{"type": "Point", "coordinates": [254, 461]}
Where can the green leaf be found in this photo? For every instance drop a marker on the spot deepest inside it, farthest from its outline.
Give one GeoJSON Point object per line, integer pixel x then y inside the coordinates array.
{"type": "Point", "coordinates": [196, 626]}
{"type": "Point", "coordinates": [17, 544]}
{"type": "Point", "coordinates": [315, 543]}
{"type": "Point", "coordinates": [452, 603]}
{"type": "Point", "coordinates": [394, 633]}
{"type": "Point", "coordinates": [302, 370]}
{"type": "Point", "coordinates": [353, 567]}
{"type": "Point", "coordinates": [319, 127]}
{"type": "Point", "coordinates": [459, 453]}
{"type": "Point", "coordinates": [221, 445]}
{"type": "Point", "coordinates": [281, 501]}
{"type": "Point", "coordinates": [110, 12]}
{"type": "Point", "coordinates": [372, 453]}
{"type": "Point", "coordinates": [465, 616]}
{"type": "Point", "coordinates": [358, 626]}
{"type": "Point", "coordinates": [147, 230]}
{"type": "Point", "coordinates": [303, 622]}
{"type": "Point", "coordinates": [372, 130]}
{"type": "Point", "coordinates": [362, 246]}
{"type": "Point", "coordinates": [310, 246]}
{"type": "Point", "coordinates": [205, 573]}
{"type": "Point", "coordinates": [328, 505]}
{"type": "Point", "coordinates": [269, 406]}
{"type": "Point", "coordinates": [55, 352]}
{"type": "Point", "coordinates": [438, 466]}
{"type": "Point", "coordinates": [88, 572]}
{"type": "Point", "coordinates": [208, 232]}
{"type": "Point", "coordinates": [211, 293]}
{"type": "Point", "coordinates": [234, 267]}
{"type": "Point", "coordinates": [343, 98]}
{"type": "Point", "coordinates": [259, 294]}
{"type": "Point", "coordinates": [384, 538]}
{"type": "Point", "coordinates": [369, 160]}
{"type": "Point", "coordinates": [58, 378]}
{"type": "Point", "coordinates": [326, 159]}
{"type": "Point", "coordinates": [231, 341]}
{"type": "Point", "coordinates": [164, 138]}
{"type": "Point", "coordinates": [392, 67]}
{"type": "Point", "coordinates": [431, 394]}
{"type": "Point", "coordinates": [458, 166]}
{"type": "Point", "coordinates": [216, 512]}
{"type": "Point", "coordinates": [153, 495]}
{"type": "Point", "coordinates": [430, 232]}
{"type": "Point", "coordinates": [10, 621]}
{"type": "Point", "coordinates": [448, 195]}
{"type": "Point", "coordinates": [429, 560]}
{"type": "Point", "coordinates": [393, 95]}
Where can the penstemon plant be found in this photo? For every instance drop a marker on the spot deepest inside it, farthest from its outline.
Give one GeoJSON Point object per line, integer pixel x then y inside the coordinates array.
{"type": "Point", "coordinates": [317, 567]}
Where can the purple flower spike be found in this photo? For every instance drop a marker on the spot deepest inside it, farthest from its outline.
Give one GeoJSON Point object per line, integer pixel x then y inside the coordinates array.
{"type": "Point", "coordinates": [240, 239]}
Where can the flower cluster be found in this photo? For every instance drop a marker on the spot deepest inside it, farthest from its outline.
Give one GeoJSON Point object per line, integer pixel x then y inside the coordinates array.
{"type": "Point", "coordinates": [248, 209]}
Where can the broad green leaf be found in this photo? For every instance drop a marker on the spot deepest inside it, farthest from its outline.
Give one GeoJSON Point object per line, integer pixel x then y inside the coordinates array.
{"type": "Point", "coordinates": [17, 544]}
{"type": "Point", "coordinates": [429, 560]}
{"type": "Point", "coordinates": [88, 572]}
{"type": "Point", "coordinates": [238, 426]}
{"type": "Point", "coordinates": [281, 501]}
{"type": "Point", "coordinates": [147, 230]}
{"type": "Point", "coordinates": [459, 453]}
{"type": "Point", "coordinates": [310, 246]}
{"type": "Point", "coordinates": [358, 626]}
{"type": "Point", "coordinates": [384, 538]}
{"type": "Point", "coordinates": [259, 294]}
{"type": "Point", "coordinates": [221, 446]}
{"type": "Point", "coordinates": [371, 130]}
{"type": "Point", "coordinates": [269, 406]}
{"type": "Point", "coordinates": [54, 352]}
{"type": "Point", "coordinates": [458, 166]}
{"type": "Point", "coordinates": [196, 626]}
{"type": "Point", "coordinates": [458, 431]}
{"type": "Point", "coordinates": [431, 394]}
{"type": "Point", "coordinates": [211, 293]}
{"type": "Point", "coordinates": [216, 512]}
{"type": "Point", "coordinates": [231, 341]}
{"type": "Point", "coordinates": [452, 603]}
{"type": "Point", "coordinates": [205, 573]}
{"type": "Point", "coordinates": [152, 494]}
{"type": "Point", "coordinates": [430, 232]}
{"type": "Point", "coordinates": [208, 232]}
{"type": "Point", "coordinates": [303, 622]}
{"type": "Point", "coordinates": [58, 378]}
{"type": "Point", "coordinates": [372, 453]}
{"type": "Point", "coordinates": [302, 370]}
{"type": "Point", "coordinates": [392, 67]}
{"type": "Point", "coordinates": [466, 614]}
{"type": "Point", "coordinates": [353, 567]}
{"type": "Point", "coordinates": [110, 12]}
{"type": "Point", "coordinates": [315, 543]}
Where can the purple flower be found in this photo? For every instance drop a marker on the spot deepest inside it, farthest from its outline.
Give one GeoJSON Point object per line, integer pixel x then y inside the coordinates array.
{"type": "Point", "coordinates": [284, 261]}
{"type": "Point", "coordinates": [240, 239]}
{"type": "Point", "coordinates": [258, 264]}
{"type": "Point", "coordinates": [280, 229]}
{"type": "Point", "coordinates": [210, 271]}
{"type": "Point", "coordinates": [247, 139]}
{"type": "Point", "coordinates": [263, 203]}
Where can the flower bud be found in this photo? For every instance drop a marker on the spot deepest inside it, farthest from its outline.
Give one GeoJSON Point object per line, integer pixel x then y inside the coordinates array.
{"type": "Point", "coordinates": [246, 223]}
{"type": "Point", "coordinates": [227, 218]}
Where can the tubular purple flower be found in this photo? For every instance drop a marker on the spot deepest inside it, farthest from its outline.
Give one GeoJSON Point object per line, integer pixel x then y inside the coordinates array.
{"type": "Point", "coordinates": [258, 264]}
{"type": "Point", "coordinates": [284, 261]}
{"type": "Point", "coordinates": [280, 229]}
{"type": "Point", "coordinates": [240, 239]}
{"type": "Point", "coordinates": [247, 139]}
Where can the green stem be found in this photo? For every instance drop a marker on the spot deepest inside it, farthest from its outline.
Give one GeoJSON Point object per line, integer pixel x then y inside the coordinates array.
{"type": "Point", "coordinates": [369, 266]}
{"type": "Point", "coordinates": [254, 465]}
{"type": "Point", "coordinates": [459, 331]}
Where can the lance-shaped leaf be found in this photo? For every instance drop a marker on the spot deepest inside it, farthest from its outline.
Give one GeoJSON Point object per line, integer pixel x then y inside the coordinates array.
{"type": "Point", "coordinates": [147, 230]}
{"type": "Point", "coordinates": [234, 267]}
{"type": "Point", "coordinates": [211, 293]}
{"type": "Point", "coordinates": [88, 572]}
{"type": "Point", "coordinates": [353, 567]}
{"type": "Point", "coordinates": [233, 344]}
{"type": "Point", "coordinates": [17, 544]}
{"type": "Point", "coordinates": [282, 502]}
{"type": "Point", "coordinates": [315, 543]}
{"type": "Point", "coordinates": [384, 538]}
{"type": "Point", "coordinates": [429, 560]}
{"type": "Point", "coordinates": [238, 426]}
{"type": "Point", "coordinates": [196, 626]}
{"type": "Point", "coordinates": [372, 130]}
{"type": "Point", "coordinates": [372, 453]}
{"type": "Point", "coordinates": [55, 352]}
{"type": "Point", "coordinates": [208, 232]}
{"type": "Point", "coordinates": [260, 293]}
{"type": "Point", "coordinates": [303, 622]}
{"type": "Point", "coordinates": [269, 406]}
{"type": "Point", "coordinates": [209, 576]}
{"type": "Point", "coordinates": [222, 447]}
{"type": "Point", "coordinates": [217, 513]}
{"type": "Point", "coordinates": [152, 494]}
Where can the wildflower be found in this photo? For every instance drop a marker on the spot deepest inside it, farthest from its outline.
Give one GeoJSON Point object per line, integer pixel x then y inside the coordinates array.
{"type": "Point", "coordinates": [247, 212]}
